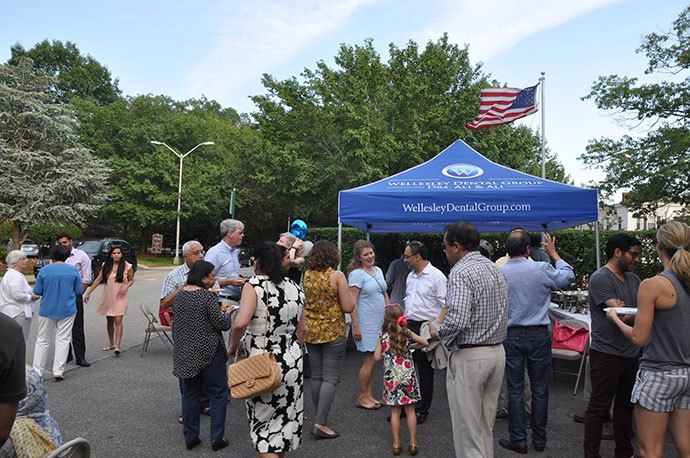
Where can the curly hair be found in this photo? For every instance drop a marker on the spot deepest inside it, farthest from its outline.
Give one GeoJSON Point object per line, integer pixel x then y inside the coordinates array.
{"type": "Point", "coordinates": [323, 255]}
{"type": "Point", "coordinates": [396, 333]}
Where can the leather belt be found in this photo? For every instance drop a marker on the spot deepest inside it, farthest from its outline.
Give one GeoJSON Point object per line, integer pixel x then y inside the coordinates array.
{"type": "Point", "coordinates": [460, 347]}
{"type": "Point", "coordinates": [539, 327]}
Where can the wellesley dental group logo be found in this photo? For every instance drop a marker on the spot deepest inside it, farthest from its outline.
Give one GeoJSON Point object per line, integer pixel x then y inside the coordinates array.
{"type": "Point", "coordinates": [462, 171]}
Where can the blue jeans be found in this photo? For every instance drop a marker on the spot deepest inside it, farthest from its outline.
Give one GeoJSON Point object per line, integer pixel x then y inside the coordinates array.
{"type": "Point", "coordinates": [215, 379]}
{"type": "Point", "coordinates": [531, 347]}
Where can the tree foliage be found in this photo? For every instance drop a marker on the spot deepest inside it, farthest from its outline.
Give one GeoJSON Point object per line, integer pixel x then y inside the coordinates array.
{"type": "Point", "coordinates": [47, 175]}
{"type": "Point", "coordinates": [656, 166]}
{"type": "Point", "coordinates": [365, 119]}
{"type": "Point", "coordinates": [144, 183]}
{"type": "Point", "coordinates": [74, 74]}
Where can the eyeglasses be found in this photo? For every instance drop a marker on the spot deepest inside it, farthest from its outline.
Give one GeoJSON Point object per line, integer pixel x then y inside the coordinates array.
{"type": "Point", "coordinates": [410, 256]}
{"type": "Point", "coordinates": [634, 254]}
{"type": "Point", "coordinates": [445, 245]}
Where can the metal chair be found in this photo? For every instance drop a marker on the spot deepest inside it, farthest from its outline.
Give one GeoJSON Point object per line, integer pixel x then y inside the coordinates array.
{"type": "Point", "coordinates": [154, 326]}
{"type": "Point", "coordinates": [572, 355]}
{"type": "Point", "coordinates": [76, 448]}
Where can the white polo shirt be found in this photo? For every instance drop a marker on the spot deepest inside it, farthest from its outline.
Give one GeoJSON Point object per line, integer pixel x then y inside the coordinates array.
{"type": "Point", "coordinates": [425, 294]}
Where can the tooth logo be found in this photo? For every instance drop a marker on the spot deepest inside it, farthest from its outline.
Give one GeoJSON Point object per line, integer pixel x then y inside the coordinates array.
{"type": "Point", "coordinates": [462, 171]}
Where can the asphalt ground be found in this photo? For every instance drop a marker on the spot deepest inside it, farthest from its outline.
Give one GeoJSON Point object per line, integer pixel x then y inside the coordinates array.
{"type": "Point", "coordinates": [128, 406]}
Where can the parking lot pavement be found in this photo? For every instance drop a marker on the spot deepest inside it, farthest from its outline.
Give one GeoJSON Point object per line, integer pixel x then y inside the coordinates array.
{"type": "Point", "coordinates": [128, 406]}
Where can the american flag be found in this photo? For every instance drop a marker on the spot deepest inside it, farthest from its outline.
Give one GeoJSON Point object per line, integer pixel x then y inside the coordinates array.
{"type": "Point", "coordinates": [501, 105]}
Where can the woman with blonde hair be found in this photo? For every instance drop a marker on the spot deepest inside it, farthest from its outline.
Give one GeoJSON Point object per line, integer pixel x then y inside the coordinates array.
{"type": "Point", "coordinates": [662, 388]}
{"type": "Point", "coordinates": [368, 287]}
{"type": "Point", "coordinates": [328, 298]}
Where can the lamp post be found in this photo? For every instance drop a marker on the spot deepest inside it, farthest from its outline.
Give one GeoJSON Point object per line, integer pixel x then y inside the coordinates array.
{"type": "Point", "coordinates": [179, 191]}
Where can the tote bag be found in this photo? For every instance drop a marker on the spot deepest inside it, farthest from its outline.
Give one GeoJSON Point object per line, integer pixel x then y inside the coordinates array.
{"type": "Point", "coordinates": [569, 338]}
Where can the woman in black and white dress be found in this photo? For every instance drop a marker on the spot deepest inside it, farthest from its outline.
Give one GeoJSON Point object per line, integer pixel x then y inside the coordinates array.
{"type": "Point", "coordinates": [270, 308]}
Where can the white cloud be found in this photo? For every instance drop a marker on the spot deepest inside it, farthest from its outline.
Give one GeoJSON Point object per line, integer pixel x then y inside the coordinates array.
{"type": "Point", "coordinates": [492, 26]}
{"type": "Point", "coordinates": [261, 35]}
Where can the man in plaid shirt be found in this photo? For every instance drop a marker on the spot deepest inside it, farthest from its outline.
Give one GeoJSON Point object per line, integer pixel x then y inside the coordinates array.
{"type": "Point", "coordinates": [473, 330]}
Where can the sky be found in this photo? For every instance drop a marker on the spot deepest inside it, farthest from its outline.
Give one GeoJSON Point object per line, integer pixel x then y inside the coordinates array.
{"type": "Point", "coordinates": [221, 48]}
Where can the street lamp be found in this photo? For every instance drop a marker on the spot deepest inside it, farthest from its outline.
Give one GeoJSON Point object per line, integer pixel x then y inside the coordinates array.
{"type": "Point", "coordinates": [179, 191]}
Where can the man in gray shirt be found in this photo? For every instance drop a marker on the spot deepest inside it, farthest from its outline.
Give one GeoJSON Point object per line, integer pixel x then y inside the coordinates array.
{"type": "Point", "coordinates": [396, 277]}
{"type": "Point", "coordinates": [613, 359]}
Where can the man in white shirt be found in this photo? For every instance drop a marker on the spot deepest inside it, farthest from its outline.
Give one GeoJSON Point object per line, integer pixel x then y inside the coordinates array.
{"type": "Point", "coordinates": [225, 257]}
{"type": "Point", "coordinates": [425, 300]}
{"type": "Point", "coordinates": [82, 262]}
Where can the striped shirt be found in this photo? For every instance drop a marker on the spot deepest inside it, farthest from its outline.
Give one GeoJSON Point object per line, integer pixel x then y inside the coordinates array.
{"type": "Point", "coordinates": [476, 302]}
{"type": "Point", "coordinates": [175, 280]}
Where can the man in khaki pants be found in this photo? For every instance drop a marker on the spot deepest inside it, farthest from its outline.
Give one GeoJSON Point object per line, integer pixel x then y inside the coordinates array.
{"type": "Point", "coordinates": [474, 329]}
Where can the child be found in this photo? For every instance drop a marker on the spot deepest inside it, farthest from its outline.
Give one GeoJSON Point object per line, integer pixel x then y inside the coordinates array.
{"type": "Point", "coordinates": [399, 380]}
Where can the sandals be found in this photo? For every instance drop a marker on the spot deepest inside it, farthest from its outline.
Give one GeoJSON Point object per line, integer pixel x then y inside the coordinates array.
{"type": "Point", "coordinates": [117, 352]}
{"type": "Point", "coordinates": [108, 348]}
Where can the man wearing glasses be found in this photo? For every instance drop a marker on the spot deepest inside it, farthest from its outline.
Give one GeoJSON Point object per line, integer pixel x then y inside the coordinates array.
{"type": "Point", "coordinates": [192, 251]}
{"type": "Point", "coordinates": [473, 330]}
{"type": "Point", "coordinates": [425, 300]}
{"type": "Point", "coordinates": [613, 359]}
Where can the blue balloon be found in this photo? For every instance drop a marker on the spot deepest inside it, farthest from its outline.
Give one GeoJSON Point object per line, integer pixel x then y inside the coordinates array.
{"type": "Point", "coordinates": [298, 228]}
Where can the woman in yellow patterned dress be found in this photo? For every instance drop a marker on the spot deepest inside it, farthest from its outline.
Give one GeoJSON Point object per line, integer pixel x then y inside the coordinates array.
{"type": "Point", "coordinates": [328, 298]}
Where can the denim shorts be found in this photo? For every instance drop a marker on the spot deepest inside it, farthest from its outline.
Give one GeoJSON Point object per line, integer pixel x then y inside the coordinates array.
{"type": "Point", "coordinates": [662, 391]}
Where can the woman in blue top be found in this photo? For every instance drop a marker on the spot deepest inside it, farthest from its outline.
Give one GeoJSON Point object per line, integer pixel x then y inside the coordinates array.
{"type": "Point", "coordinates": [368, 287]}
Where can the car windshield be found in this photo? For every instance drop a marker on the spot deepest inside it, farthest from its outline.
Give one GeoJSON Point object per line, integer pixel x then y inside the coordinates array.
{"type": "Point", "coordinates": [29, 242]}
{"type": "Point", "coordinates": [90, 246]}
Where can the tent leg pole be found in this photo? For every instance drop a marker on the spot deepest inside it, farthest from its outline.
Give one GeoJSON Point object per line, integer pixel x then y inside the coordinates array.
{"type": "Point", "coordinates": [596, 244]}
{"type": "Point", "coordinates": [340, 240]}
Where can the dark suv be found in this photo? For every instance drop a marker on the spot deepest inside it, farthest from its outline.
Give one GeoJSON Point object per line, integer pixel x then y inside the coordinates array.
{"type": "Point", "coordinates": [98, 249]}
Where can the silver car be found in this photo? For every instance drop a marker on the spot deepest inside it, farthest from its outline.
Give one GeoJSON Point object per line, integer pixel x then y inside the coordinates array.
{"type": "Point", "coordinates": [28, 247]}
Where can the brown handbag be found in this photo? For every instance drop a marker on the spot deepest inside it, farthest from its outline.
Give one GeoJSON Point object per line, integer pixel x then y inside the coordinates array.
{"type": "Point", "coordinates": [257, 374]}
{"type": "Point", "coordinates": [253, 376]}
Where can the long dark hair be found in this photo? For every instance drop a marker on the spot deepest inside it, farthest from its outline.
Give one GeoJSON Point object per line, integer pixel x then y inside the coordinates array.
{"type": "Point", "coordinates": [108, 266]}
{"type": "Point", "coordinates": [200, 270]}
{"type": "Point", "coordinates": [268, 258]}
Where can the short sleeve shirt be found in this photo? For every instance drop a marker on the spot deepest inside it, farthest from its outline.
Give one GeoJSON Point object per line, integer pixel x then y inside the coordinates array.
{"type": "Point", "coordinates": [604, 285]}
{"type": "Point", "coordinates": [12, 359]}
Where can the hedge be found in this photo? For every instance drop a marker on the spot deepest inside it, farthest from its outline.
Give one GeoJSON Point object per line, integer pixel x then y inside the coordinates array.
{"type": "Point", "coordinates": [576, 246]}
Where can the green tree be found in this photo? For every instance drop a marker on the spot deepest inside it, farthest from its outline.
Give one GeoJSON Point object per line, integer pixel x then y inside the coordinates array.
{"type": "Point", "coordinates": [48, 176]}
{"type": "Point", "coordinates": [365, 119]}
{"type": "Point", "coordinates": [75, 74]}
{"type": "Point", "coordinates": [654, 167]}
{"type": "Point", "coordinates": [143, 189]}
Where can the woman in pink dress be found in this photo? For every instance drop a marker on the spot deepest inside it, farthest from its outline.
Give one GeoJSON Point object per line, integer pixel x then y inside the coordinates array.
{"type": "Point", "coordinates": [117, 276]}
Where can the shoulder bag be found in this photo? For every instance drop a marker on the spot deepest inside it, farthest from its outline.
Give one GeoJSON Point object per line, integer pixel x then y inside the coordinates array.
{"type": "Point", "coordinates": [569, 338]}
{"type": "Point", "coordinates": [257, 374]}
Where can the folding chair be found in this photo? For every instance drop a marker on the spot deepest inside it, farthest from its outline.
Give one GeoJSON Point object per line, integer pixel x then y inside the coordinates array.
{"type": "Point", "coordinates": [154, 326]}
{"type": "Point", "coordinates": [571, 354]}
{"type": "Point", "coordinates": [76, 448]}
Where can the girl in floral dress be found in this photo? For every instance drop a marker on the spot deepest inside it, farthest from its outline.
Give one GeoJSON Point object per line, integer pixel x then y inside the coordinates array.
{"type": "Point", "coordinates": [401, 390]}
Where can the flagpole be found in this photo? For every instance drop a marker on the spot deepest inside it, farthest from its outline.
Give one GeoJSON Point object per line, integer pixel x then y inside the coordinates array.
{"type": "Point", "coordinates": [543, 125]}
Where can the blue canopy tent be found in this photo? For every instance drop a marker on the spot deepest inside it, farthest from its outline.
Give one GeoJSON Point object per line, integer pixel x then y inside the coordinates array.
{"type": "Point", "coordinates": [459, 184]}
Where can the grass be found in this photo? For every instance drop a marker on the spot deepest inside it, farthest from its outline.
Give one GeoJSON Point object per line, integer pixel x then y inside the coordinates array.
{"type": "Point", "coordinates": [156, 261]}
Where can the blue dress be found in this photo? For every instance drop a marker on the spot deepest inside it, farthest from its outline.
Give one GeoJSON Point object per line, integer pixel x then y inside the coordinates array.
{"type": "Point", "coordinates": [370, 304]}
